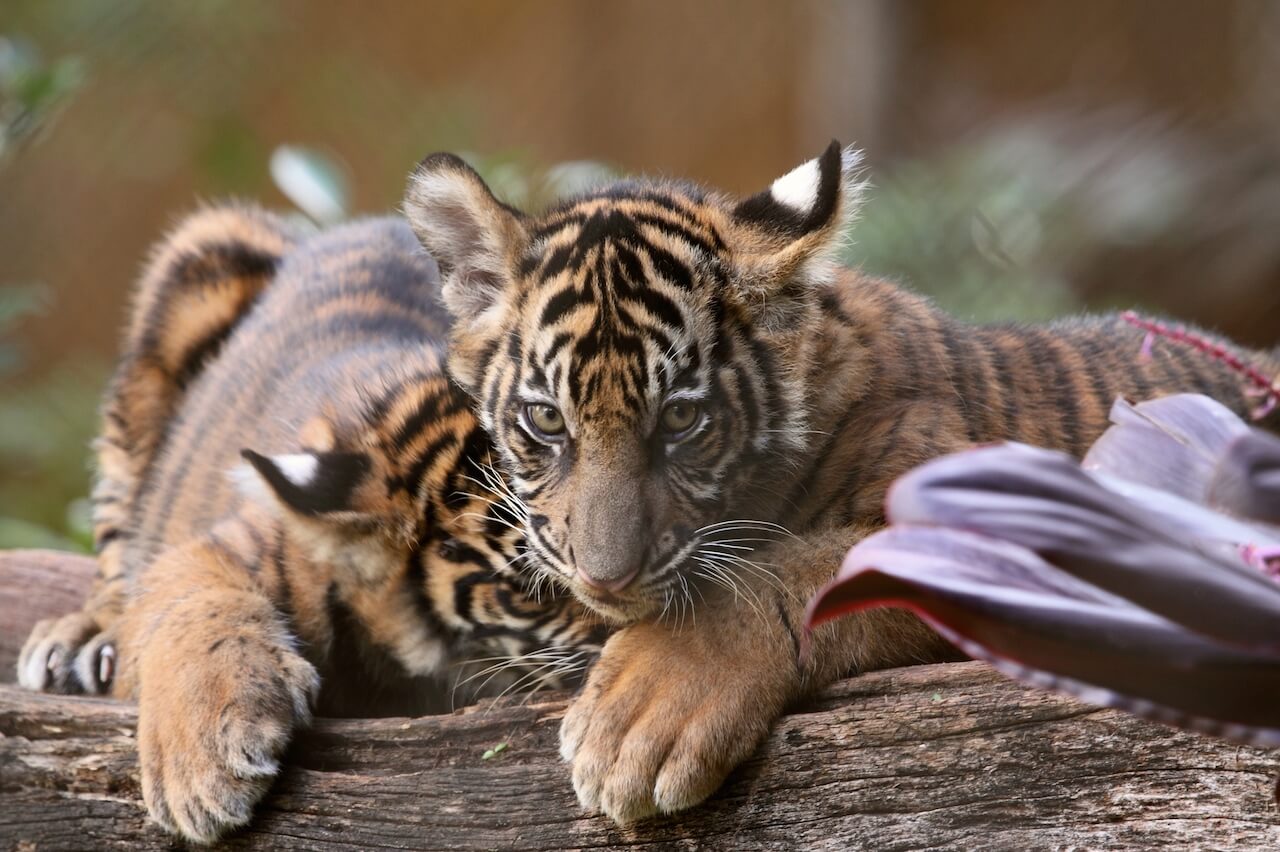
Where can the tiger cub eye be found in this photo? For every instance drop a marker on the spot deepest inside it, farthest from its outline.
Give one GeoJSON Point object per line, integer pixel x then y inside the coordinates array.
{"type": "Point", "coordinates": [679, 417]}
{"type": "Point", "coordinates": [545, 419]}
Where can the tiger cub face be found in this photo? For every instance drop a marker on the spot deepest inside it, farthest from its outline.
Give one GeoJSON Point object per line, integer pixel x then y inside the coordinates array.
{"type": "Point", "coordinates": [454, 537]}
{"type": "Point", "coordinates": [638, 354]}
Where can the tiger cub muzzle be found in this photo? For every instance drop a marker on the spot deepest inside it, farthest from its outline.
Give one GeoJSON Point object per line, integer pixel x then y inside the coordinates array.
{"type": "Point", "coordinates": [620, 544]}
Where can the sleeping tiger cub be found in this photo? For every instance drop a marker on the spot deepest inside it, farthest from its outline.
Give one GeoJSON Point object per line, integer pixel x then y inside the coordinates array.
{"type": "Point", "coordinates": [291, 494]}
{"type": "Point", "coordinates": [693, 403]}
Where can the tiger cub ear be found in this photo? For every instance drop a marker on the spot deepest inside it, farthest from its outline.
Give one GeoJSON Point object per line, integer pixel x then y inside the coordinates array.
{"type": "Point", "coordinates": [470, 233]}
{"type": "Point", "coordinates": [788, 234]}
{"type": "Point", "coordinates": [320, 485]}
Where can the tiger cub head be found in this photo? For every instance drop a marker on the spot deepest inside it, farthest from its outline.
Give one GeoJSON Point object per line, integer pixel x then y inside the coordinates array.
{"type": "Point", "coordinates": [397, 496]}
{"type": "Point", "coordinates": [639, 354]}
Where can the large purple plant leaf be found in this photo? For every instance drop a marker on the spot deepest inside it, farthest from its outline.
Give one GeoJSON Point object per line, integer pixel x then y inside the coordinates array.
{"type": "Point", "coordinates": [1044, 502]}
{"type": "Point", "coordinates": [1004, 604]}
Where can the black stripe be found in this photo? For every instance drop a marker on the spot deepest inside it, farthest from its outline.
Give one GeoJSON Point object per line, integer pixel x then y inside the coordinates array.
{"type": "Point", "coordinates": [432, 409]}
{"type": "Point", "coordinates": [670, 267]}
{"type": "Point", "coordinates": [1008, 390]}
{"type": "Point", "coordinates": [109, 535]}
{"type": "Point", "coordinates": [676, 230]}
{"type": "Point", "coordinates": [558, 306]}
{"type": "Point", "coordinates": [215, 262]}
{"type": "Point", "coordinates": [209, 264]}
{"type": "Point", "coordinates": [411, 480]}
{"type": "Point", "coordinates": [1062, 390]}
{"type": "Point", "coordinates": [556, 225]}
{"type": "Point", "coordinates": [849, 487]}
{"type": "Point", "coordinates": [660, 307]}
{"type": "Point", "coordinates": [959, 354]}
{"type": "Point", "coordinates": [200, 354]}
{"type": "Point", "coordinates": [416, 577]}
{"type": "Point", "coordinates": [1093, 355]}
{"type": "Point", "coordinates": [556, 262]}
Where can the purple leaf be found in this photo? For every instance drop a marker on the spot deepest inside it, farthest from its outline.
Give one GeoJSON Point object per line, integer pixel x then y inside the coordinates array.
{"type": "Point", "coordinates": [1003, 603]}
{"type": "Point", "coordinates": [1172, 443]}
{"type": "Point", "coordinates": [1043, 501]}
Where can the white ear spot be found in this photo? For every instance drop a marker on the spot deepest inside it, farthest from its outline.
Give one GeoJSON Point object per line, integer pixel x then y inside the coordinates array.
{"type": "Point", "coordinates": [298, 468]}
{"type": "Point", "coordinates": [798, 188]}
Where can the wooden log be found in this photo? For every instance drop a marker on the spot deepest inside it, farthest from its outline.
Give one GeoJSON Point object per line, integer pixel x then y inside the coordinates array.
{"type": "Point", "coordinates": [950, 756]}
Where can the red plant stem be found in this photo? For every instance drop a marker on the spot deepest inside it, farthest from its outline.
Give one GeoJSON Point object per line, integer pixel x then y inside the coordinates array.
{"type": "Point", "coordinates": [1267, 387]}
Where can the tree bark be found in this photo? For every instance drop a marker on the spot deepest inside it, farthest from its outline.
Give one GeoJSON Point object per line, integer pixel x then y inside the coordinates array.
{"type": "Point", "coordinates": [950, 756]}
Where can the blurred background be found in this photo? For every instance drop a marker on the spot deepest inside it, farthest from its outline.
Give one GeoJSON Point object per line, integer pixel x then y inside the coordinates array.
{"type": "Point", "coordinates": [1029, 158]}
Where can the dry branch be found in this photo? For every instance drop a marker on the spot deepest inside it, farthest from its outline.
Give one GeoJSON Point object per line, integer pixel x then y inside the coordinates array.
{"type": "Point", "coordinates": [939, 756]}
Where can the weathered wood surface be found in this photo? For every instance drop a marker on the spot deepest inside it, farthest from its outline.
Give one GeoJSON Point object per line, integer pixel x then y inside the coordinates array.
{"type": "Point", "coordinates": [949, 756]}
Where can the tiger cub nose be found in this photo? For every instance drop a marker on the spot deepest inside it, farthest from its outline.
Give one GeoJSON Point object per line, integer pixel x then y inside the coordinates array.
{"type": "Point", "coordinates": [606, 582]}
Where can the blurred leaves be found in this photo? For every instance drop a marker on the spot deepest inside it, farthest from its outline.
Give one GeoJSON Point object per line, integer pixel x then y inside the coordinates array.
{"type": "Point", "coordinates": [16, 302]}
{"type": "Point", "coordinates": [313, 181]}
{"type": "Point", "coordinates": [522, 183]}
{"type": "Point", "coordinates": [32, 91]}
{"type": "Point", "coordinates": [1002, 225]}
{"type": "Point", "coordinates": [46, 427]}
{"type": "Point", "coordinates": [317, 182]}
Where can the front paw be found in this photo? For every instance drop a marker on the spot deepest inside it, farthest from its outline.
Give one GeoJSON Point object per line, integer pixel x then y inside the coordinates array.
{"type": "Point", "coordinates": [212, 729]}
{"type": "Point", "coordinates": [70, 655]}
{"type": "Point", "coordinates": [666, 715]}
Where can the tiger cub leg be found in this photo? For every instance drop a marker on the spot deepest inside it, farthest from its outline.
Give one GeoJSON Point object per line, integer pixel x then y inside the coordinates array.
{"type": "Point", "coordinates": [199, 282]}
{"type": "Point", "coordinates": [220, 684]}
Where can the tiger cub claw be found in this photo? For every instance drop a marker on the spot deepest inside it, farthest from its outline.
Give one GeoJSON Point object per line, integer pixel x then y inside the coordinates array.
{"type": "Point", "coordinates": [70, 655]}
{"type": "Point", "coordinates": [210, 741]}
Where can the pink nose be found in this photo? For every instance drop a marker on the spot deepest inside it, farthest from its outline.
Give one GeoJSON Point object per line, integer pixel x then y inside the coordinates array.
{"type": "Point", "coordinates": [609, 585]}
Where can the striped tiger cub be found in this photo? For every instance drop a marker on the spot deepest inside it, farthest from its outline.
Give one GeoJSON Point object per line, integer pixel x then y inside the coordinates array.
{"type": "Point", "coordinates": [699, 410]}
{"type": "Point", "coordinates": [292, 495]}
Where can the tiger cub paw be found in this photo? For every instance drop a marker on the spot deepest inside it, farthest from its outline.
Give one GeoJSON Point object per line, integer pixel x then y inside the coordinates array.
{"type": "Point", "coordinates": [211, 734]}
{"type": "Point", "coordinates": [666, 714]}
{"type": "Point", "coordinates": [70, 655]}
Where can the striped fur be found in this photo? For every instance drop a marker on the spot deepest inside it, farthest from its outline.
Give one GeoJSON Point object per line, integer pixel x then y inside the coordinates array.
{"type": "Point", "coordinates": [814, 387]}
{"type": "Point", "coordinates": [292, 494]}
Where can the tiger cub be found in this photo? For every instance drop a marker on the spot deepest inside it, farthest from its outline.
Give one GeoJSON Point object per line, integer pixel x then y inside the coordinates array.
{"type": "Point", "coordinates": [291, 494]}
{"type": "Point", "coordinates": [694, 403]}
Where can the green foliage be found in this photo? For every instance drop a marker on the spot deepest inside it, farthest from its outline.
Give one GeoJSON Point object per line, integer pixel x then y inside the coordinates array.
{"type": "Point", "coordinates": [46, 428]}
{"type": "Point", "coordinates": [16, 302]}
{"type": "Point", "coordinates": [529, 186]}
{"type": "Point", "coordinates": [32, 91]}
{"type": "Point", "coordinates": [980, 236]}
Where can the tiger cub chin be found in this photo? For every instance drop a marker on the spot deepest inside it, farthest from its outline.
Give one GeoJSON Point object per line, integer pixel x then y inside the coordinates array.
{"type": "Point", "coordinates": [294, 510]}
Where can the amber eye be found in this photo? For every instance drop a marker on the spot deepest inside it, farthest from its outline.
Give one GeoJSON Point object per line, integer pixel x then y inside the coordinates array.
{"type": "Point", "coordinates": [679, 417]}
{"type": "Point", "coordinates": [546, 420]}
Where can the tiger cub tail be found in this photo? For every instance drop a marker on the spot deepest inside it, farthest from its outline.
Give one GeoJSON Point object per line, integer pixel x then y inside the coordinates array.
{"type": "Point", "coordinates": [198, 284]}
